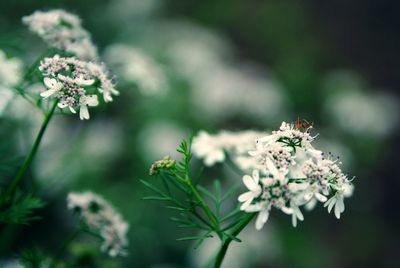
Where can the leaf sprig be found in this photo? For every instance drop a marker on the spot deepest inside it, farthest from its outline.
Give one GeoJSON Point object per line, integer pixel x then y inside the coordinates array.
{"type": "Point", "coordinates": [197, 208]}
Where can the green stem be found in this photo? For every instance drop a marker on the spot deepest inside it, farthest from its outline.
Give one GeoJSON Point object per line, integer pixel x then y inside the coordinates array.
{"type": "Point", "coordinates": [236, 230]}
{"type": "Point", "coordinates": [205, 208]}
{"type": "Point", "coordinates": [28, 160]}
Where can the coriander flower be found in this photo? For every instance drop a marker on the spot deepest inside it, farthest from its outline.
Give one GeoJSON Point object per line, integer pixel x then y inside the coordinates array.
{"type": "Point", "coordinates": [100, 217]}
{"type": "Point", "coordinates": [134, 66]}
{"type": "Point", "coordinates": [10, 70]}
{"type": "Point", "coordinates": [74, 82]}
{"type": "Point", "coordinates": [213, 148]}
{"type": "Point", "coordinates": [292, 174]}
{"type": "Point", "coordinates": [204, 146]}
{"type": "Point", "coordinates": [62, 30]}
{"type": "Point", "coordinates": [252, 183]}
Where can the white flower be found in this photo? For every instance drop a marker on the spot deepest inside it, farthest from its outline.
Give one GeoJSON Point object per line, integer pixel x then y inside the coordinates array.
{"type": "Point", "coordinates": [212, 148]}
{"type": "Point", "coordinates": [134, 66]}
{"type": "Point", "coordinates": [292, 173]}
{"type": "Point", "coordinates": [84, 102]}
{"type": "Point", "coordinates": [204, 146]}
{"type": "Point", "coordinates": [295, 211]}
{"type": "Point", "coordinates": [62, 30]}
{"type": "Point", "coordinates": [337, 202]}
{"type": "Point", "coordinates": [10, 70]}
{"type": "Point", "coordinates": [107, 87]}
{"type": "Point", "coordinates": [252, 183]}
{"type": "Point", "coordinates": [67, 79]}
{"type": "Point", "coordinates": [263, 216]}
{"type": "Point", "coordinates": [53, 87]}
{"type": "Point", "coordinates": [101, 218]}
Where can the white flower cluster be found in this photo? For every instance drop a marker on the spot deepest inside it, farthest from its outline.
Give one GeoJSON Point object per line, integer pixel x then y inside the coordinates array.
{"type": "Point", "coordinates": [290, 173]}
{"type": "Point", "coordinates": [10, 76]}
{"type": "Point", "coordinates": [70, 80]}
{"type": "Point", "coordinates": [136, 67]}
{"type": "Point", "coordinates": [214, 148]}
{"type": "Point", "coordinates": [62, 30]}
{"type": "Point", "coordinates": [101, 218]}
{"type": "Point", "coordinates": [10, 70]}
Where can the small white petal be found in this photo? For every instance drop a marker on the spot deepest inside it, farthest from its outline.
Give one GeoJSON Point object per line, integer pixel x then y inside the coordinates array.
{"type": "Point", "coordinates": [244, 197]}
{"type": "Point", "coordinates": [72, 110]}
{"type": "Point", "coordinates": [84, 112]}
{"type": "Point", "coordinates": [250, 184]}
{"type": "Point", "coordinates": [47, 93]}
{"type": "Point", "coordinates": [308, 196]}
{"type": "Point", "coordinates": [294, 220]}
{"type": "Point", "coordinates": [62, 105]}
{"type": "Point", "coordinates": [256, 176]}
{"type": "Point", "coordinates": [337, 210]}
{"type": "Point", "coordinates": [262, 219]}
{"type": "Point", "coordinates": [321, 197]}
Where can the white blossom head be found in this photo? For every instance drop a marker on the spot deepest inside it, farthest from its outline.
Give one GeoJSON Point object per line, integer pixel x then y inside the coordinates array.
{"type": "Point", "coordinates": [76, 83]}
{"type": "Point", "coordinates": [10, 70]}
{"type": "Point", "coordinates": [213, 148]}
{"type": "Point", "coordinates": [63, 31]}
{"type": "Point", "coordinates": [136, 67]}
{"type": "Point", "coordinates": [292, 173]}
{"type": "Point", "coordinates": [101, 217]}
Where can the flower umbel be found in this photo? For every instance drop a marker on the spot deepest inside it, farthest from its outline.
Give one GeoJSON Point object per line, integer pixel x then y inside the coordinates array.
{"type": "Point", "coordinates": [101, 218]}
{"type": "Point", "coordinates": [292, 173]}
{"type": "Point", "coordinates": [62, 30]}
{"type": "Point", "coordinates": [74, 82]}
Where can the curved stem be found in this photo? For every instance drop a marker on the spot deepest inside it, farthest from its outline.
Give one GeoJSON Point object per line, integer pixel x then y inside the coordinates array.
{"type": "Point", "coordinates": [236, 230]}
{"type": "Point", "coordinates": [28, 160]}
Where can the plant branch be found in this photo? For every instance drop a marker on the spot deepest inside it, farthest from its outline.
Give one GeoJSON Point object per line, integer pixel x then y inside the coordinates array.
{"type": "Point", "coordinates": [236, 230]}
{"type": "Point", "coordinates": [28, 160]}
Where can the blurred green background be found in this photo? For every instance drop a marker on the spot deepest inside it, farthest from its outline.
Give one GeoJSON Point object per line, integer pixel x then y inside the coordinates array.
{"type": "Point", "coordinates": [226, 64]}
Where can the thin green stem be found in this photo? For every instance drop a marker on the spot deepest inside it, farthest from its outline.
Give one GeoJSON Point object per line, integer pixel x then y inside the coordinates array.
{"type": "Point", "coordinates": [20, 87]}
{"type": "Point", "coordinates": [28, 160]}
{"type": "Point", "coordinates": [225, 244]}
{"type": "Point", "coordinates": [204, 206]}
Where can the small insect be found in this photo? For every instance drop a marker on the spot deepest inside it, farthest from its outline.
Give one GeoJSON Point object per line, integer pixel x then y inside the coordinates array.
{"type": "Point", "coordinates": [303, 124]}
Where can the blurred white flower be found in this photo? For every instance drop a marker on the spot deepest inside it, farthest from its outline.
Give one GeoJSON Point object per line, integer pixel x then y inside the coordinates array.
{"type": "Point", "coordinates": [209, 148]}
{"type": "Point", "coordinates": [361, 112]}
{"type": "Point", "coordinates": [10, 70]}
{"type": "Point", "coordinates": [194, 51]}
{"type": "Point", "coordinates": [228, 92]}
{"type": "Point", "coordinates": [365, 114]}
{"type": "Point", "coordinates": [101, 217]}
{"type": "Point", "coordinates": [62, 30]}
{"type": "Point", "coordinates": [10, 76]}
{"type": "Point", "coordinates": [134, 66]}
{"type": "Point", "coordinates": [212, 148]}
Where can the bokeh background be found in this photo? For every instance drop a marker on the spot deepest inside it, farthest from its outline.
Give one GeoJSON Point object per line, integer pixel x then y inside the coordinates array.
{"type": "Point", "coordinates": [183, 66]}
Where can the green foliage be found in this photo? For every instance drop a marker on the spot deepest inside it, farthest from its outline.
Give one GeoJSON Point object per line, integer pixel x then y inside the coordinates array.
{"type": "Point", "coordinates": [21, 209]}
{"type": "Point", "coordinates": [32, 258]}
{"type": "Point", "coordinates": [197, 208]}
